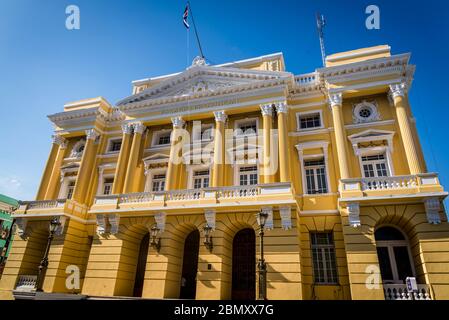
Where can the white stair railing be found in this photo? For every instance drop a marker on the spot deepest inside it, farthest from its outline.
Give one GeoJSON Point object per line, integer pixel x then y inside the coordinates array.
{"type": "Point", "coordinates": [399, 292]}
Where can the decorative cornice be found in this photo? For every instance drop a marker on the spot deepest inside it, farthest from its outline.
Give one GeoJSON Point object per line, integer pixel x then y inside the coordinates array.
{"type": "Point", "coordinates": [335, 99]}
{"type": "Point", "coordinates": [398, 89]}
{"type": "Point", "coordinates": [281, 107]}
{"type": "Point", "coordinates": [220, 116]}
{"type": "Point", "coordinates": [267, 109]}
{"type": "Point", "coordinates": [138, 127]}
{"type": "Point", "coordinates": [178, 122]}
{"type": "Point", "coordinates": [92, 134]}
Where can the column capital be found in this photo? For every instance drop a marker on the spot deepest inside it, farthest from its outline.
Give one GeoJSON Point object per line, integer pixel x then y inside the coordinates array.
{"type": "Point", "coordinates": [267, 109]}
{"type": "Point", "coordinates": [127, 128]}
{"type": "Point", "coordinates": [178, 122]}
{"type": "Point", "coordinates": [138, 127]}
{"type": "Point", "coordinates": [220, 116]}
{"type": "Point", "coordinates": [281, 107]}
{"type": "Point", "coordinates": [335, 99]}
{"type": "Point", "coordinates": [92, 134]}
{"type": "Point", "coordinates": [398, 89]}
{"type": "Point", "coordinates": [59, 140]}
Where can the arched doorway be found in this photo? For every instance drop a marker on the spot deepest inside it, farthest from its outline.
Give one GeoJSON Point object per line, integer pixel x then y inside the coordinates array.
{"type": "Point", "coordinates": [141, 266]}
{"type": "Point", "coordinates": [244, 265]}
{"type": "Point", "coordinates": [394, 255]}
{"type": "Point", "coordinates": [190, 266]}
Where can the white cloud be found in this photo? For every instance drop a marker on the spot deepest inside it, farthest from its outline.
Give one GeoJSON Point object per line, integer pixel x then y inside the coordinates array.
{"type": "Point", "coordinates": [13, 186]}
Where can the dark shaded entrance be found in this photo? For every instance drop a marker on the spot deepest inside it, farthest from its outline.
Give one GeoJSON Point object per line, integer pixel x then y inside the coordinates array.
{"type": "Point", "coordinates": [190, 266]}
{"type": "Point", "coordinates": [244, 265]}
{"type": "Point", "coordinates": [141, 266]}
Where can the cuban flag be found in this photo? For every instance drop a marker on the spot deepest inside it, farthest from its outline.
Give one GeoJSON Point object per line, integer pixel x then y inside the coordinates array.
{"type": "Point", "coordinates": [185, 17]}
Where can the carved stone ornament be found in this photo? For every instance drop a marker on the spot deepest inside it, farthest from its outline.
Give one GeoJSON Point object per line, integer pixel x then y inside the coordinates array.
{"type": "Point", "coordinates": [398, 90]}
{"type": "Point", "coordinates": [267, 109]}
{"type": "Point", "coordinates": [220, 116]}
{"type": "Point", "coordinates": [365, 111]}
{"type": "Point", "coordinates": [433, 207]}
{"type": "Point", "coordinates": [198, 61]}
{"type": "Point", "coordinates": [178, 122]}
{"type": "Point", "coordinates": [209, 215]}
{"type": "Point", "coordinates": [335, 99]}
{"type": "Point", "coordinates": [160, 221]}
{"type": "Point", "coordinates": [354, 214]}
{"type": "Point", "coordinates": [281, 107]}
{"type": "Point", "coordinates": [286, 217]}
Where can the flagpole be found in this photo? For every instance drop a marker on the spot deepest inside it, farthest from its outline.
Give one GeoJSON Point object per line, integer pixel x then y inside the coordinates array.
{"type": "Point", "coordinates": [196, 32]}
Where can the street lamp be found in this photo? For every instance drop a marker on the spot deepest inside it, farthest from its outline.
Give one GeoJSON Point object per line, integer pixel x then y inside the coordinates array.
{"type": "Point", "coordinates": [54, 224]}
{"type": "Point", "coordinates": [155, 241]}
{"type": "Point", "coordinates": [208, 238]}
{"type": "Point", "coordinates": [262, 217]}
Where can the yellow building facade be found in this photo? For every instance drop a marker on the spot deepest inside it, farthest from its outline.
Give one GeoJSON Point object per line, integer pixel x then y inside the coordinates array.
{"type": "Point", "coordinates": [157, 196]}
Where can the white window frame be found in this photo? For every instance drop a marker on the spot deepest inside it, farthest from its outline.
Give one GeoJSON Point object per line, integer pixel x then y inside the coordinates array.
{"type": "Point", "coordinates": [239, 122]}
{"type": "Point", "coordinates": [151, 174]}
{"type": "Point", "coordinates": [324, 145]}
{"type": "Point", "coordinates": [197, 167]}
{"type": "Point", "coordinates": [376, 151]}
{"type": "Point", "coordinates": [109, 145]}
{"type": "Point", "coordinates": [157, 135]}
{"type": "Point", "coordinates": [305, 113]}
{"type": "Point", "coordinates": [102, 179]}
{"type": "Point", "coordinates": [197, 136]}
{"type": "Point", "coordinates": [237, 172]}
{"type": "Point", "coordinates": [65, 187]}
{"type": "Point", "coordinates": [390, 244]}
{"type": "Point", "coordinates": [306, 187]}
{"type": "Point", "coordinates": [323, 257]}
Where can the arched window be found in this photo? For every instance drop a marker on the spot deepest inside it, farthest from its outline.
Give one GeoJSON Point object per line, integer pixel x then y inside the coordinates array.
{"type": "Point", "coordinates": [394, 255]}
{"type": "Point", "coordinates": [78, 148]}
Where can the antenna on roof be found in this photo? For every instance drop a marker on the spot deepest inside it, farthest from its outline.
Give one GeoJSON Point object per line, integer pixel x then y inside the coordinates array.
{"type": "Point", "coordinates": [321, 23]}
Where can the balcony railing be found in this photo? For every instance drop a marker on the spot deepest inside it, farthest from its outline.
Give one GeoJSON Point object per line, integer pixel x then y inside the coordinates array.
{"type": "Point", "coordinates": [42, 204]}
{"type": "Point", "coordinates": [306, 79]}
{"type": "Point", "coordinates": [219, 193]}
{"type": "Point", "coordinates": [26, 283]}
{"type": "Point", "coordinates": [399, 292]}
{"type": "Point", "coordinates": [389, 183]}
{"type": "Point", "coordinates": [378, 186]}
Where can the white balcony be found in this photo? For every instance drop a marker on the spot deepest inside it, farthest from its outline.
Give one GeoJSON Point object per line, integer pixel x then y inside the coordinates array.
{"type": "Point", "coordinates": [198, 196]}
{"type": "Point", "coordinates": [399, 292]}
{"type": "Point", "coordinates": [42, 204]}
{"type": "Point", "coordinates": [307, 79]}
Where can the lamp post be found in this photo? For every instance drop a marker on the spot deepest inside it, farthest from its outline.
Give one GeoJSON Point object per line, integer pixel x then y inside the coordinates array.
{"type": "Point", "coordinates": [208, 238]}
{"type": "Point", "coordinates": [54, 224]}
{"type": "Point", "coordinates": [262, 219]}
{"type": "Point", "coordinates": [155, 241]}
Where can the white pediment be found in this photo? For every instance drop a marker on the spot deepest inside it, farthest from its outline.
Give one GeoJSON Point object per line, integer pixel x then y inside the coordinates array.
{"type": "Point", "coordinates": [203, 80]}
{"type": "Point", "coordinates": [156, 158]}
{"type": "Point", "coordinates": [371, 134]}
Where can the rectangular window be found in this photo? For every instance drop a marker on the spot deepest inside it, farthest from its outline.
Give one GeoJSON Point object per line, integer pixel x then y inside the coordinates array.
{"type": "Point", "coordinates": [248, 176]}
{"type": "Point", "coordinates": [315, 172]}
{"type": "Point", "coordinates": [247, 128]}
{"type": "Point", "coordinates": [70, 189]}
{"type": "Point", "coordinates": [311, 120]}
{"type": "Point", "coordinates": [201, 179]}
{"type": "Point", "coordinates": [107, 186]}
{"type": "Point", "coordinates": [323, 258]}
{"type": "Point", "coordinates": [158, 182]}
{"type": "Point", "coordinates": [206, 132]}
{"type": "Point", "coordinates": [375, 166]}
{"type": "Point", "coordinates": [115, 145]}
{"type": "Point", "coordinates": [164, 139]}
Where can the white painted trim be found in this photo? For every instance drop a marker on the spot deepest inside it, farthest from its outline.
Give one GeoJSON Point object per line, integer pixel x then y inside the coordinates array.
{"type": "Point", "coordinates": [197, 167]}
{"type": "Point", "coordinates": [237, 167]}
{"type": "Point", "coordinates": [64, 186]}
{"type": "Point", "coordinates": [149, 178]}
{"type": "Point", "coordinates": [109, 144]}
{"type": "Point", "coordinates": [304, 113]}
{"type": "Point", "coordinates": [156, 135]}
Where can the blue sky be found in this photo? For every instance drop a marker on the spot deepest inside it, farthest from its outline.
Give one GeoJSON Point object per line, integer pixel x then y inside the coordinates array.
{"type": "Point", "coordinates": [43, 65]}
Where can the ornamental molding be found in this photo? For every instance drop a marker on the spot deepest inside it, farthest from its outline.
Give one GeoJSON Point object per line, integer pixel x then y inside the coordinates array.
{"type": "Point", "coordinates": [127, 128]}
{"type": "Point", "coordinates": [114, 221]}
{"type": "Point", "coordinates": [267, 109]}
{"type": "Point", "coordinates": [281, 107]}
{"type": "Point", "coordinates": [178, 122]}
{"type": "Point", "coordinates": [160, 218]}
{"type": "Point", "coordinates": [92, 134]}
{"type": "Point", "coordinates": [138, 127]}
{"type": "Point", "coordinates": [433, 207]}
{"type": "Point", "coordinates": [220, 116]}
{"type": "Point", "coordinates": [77, 152]}
{"type": "Point", "coordinates": [210, 217]}
{"type": "Point", "coordinates": [21, 227]}
{"type": "Point", "coordinates": [101, 224]}
{"type": "Point", "coordinates": [335, 99]}
{"type": "Point", "coordinates": [216, 80]}
{"type": "Point", "coordinates": [354, 214]}
{"type": "Point", "coordinates": [398, 90]}
{"type": "Point", "coordinates": [369, 105]}
{"type": "Point", "coordinates": [286, 217]}
{"type": "Point", "coordinates": [59, 140]}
